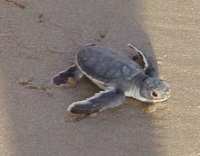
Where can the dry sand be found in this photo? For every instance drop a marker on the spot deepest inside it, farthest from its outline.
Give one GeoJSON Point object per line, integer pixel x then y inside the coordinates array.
{"type": "Point", "coordinates": [38, 38]}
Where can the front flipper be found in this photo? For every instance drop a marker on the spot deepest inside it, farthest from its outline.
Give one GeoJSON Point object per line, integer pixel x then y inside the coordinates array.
{"type": "Point", "coordinates": [147, 60]}
{"type": "Point", "coordinates": [99, 102]}
{"type": "Point", "coordinates": [70, 76]}
{"type": "Point", "coordinates": [139, 58]}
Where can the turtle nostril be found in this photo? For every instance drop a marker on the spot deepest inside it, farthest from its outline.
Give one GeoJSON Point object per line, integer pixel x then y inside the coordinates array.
{"type": "Point", "coordinates": [154, 94]}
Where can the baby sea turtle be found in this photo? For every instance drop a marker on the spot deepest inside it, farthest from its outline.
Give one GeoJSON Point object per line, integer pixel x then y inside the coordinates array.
{"type": "Point", "coordinates": [118, 76]}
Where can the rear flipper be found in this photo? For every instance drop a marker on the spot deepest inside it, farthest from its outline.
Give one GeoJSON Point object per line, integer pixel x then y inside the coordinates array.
{"type": "Point", "coordinates": [99, 102]}
{"type": "Point", "coordinates": [70, 76]}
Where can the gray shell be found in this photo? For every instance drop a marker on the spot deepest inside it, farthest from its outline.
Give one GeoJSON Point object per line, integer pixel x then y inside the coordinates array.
{"type": "Point", "coordinates": [107, 67]}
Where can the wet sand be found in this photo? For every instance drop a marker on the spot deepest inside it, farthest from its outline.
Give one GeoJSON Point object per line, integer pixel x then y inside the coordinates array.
{"type": "Point", "coordinates": [40, 38]}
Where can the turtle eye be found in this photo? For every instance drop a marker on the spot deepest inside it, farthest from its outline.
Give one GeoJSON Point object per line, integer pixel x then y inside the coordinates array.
{"type": "Point", "coordinates": [154, 94]}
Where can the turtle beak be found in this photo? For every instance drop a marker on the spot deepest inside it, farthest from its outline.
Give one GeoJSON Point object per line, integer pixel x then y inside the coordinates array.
{"type": "Point", "coordinates": [163, 94]}
{"type": "Point", "coordinates": [166, 92]}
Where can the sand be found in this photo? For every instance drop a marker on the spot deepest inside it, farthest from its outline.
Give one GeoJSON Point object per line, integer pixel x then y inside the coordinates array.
{"type": "Point", "coordinates": [40, 38]}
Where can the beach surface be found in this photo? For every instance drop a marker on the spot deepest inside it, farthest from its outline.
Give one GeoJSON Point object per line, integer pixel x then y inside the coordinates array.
{"type": "Point", "coordinates": [39, 38]}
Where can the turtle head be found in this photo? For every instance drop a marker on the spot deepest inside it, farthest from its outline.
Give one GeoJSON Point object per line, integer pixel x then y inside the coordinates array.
{"type": "Point", "coordinates": [154, 90]}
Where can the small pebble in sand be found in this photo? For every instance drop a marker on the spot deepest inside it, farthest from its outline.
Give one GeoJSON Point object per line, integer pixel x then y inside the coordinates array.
{"type": "Point", "coordinates": [41, 18]}
{"type": "Point", "coordinates": [165, 56]}
{"type": "Point", "coordinates": [160, 62]}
